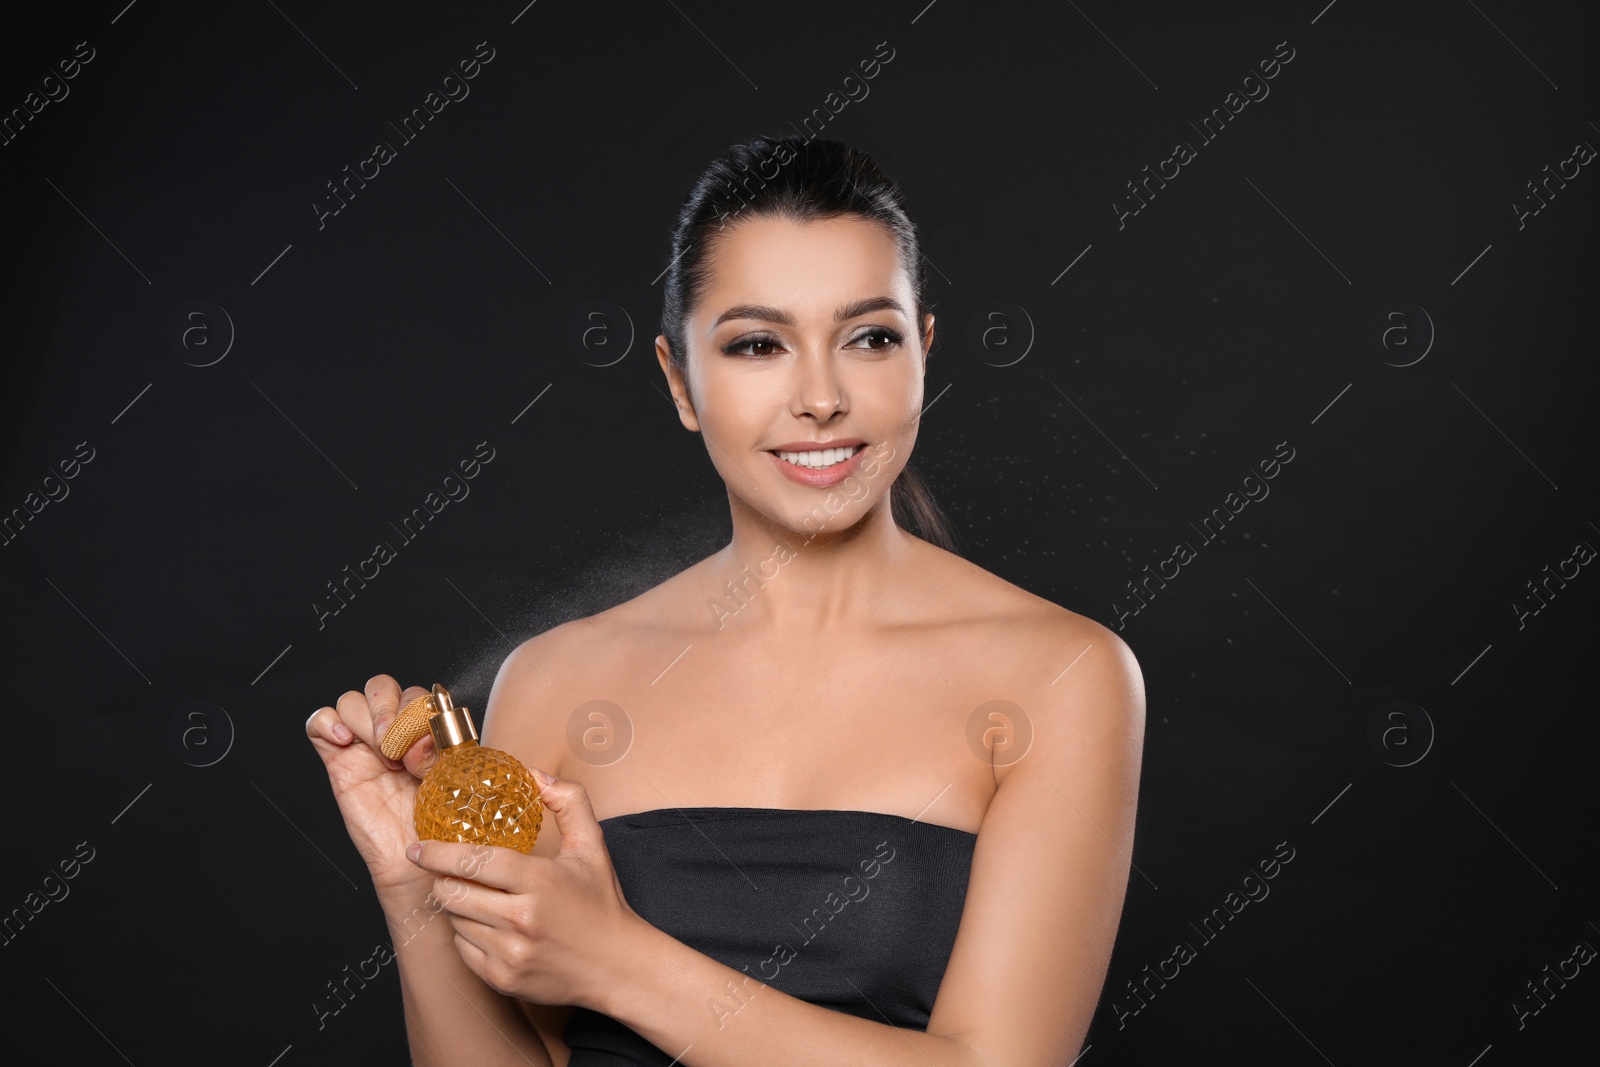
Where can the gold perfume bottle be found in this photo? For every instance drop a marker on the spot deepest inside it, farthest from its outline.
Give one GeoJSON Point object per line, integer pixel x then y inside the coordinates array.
{"type": "Point", "coordinates": [471, 793]}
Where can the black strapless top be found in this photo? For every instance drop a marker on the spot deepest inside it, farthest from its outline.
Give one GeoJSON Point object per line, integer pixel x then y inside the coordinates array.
{"type": "Point", "coordinates": [856, 911]}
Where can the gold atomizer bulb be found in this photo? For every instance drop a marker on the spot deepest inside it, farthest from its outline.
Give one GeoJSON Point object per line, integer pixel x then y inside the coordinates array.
{"type": "Point", "coordinates": [471, 793]}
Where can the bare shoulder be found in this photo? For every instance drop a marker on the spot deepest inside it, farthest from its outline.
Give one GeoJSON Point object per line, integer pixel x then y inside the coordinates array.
{"type": "Point", "coordinates": [548, 675]}
{"type": "Point", "coordinates": [522, 714]}
{"type": "Point", "coordinates": [1042, 648]}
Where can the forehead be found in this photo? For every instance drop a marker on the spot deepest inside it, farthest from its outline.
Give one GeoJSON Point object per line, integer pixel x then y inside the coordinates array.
{"type": "Point", "coordinates": [808, 267]}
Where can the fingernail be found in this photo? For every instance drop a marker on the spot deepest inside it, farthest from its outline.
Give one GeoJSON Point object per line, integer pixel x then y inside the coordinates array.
{"type": "Point", "coordinates": [341, 732]}
{"type": "Point", "coordinates": [544, 779]}
{"type": "Point", "coordinates": [414, 853]}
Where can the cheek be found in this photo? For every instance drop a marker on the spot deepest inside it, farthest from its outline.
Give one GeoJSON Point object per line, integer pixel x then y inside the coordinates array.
{"type": "Point", "coordinates": [736, 409]}
{"type": "Point", "coordinates": [909, 419]}
{"type": "Point", "coordinates": [903, 393]}
{"type": "Point", "coordinates": [912, 419]}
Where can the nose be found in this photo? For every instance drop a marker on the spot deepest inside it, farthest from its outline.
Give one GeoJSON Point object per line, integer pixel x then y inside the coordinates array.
{"type": "Point", "coordinates": [817, 389]}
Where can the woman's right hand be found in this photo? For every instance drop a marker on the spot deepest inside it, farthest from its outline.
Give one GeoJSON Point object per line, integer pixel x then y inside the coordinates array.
{"type": "Point", "coordinates": [376, 795]}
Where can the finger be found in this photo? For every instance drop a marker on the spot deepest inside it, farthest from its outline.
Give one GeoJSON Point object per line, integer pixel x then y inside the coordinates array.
{"type": "Point", "coordinates": [353, 710]}
{"type": "Point", "coordinates": [568, 801]}
{"type": "Point", "coordinates": [472, 952]}
{"type": "Point", "coordinates": [470, 900]}
{"type": "Point", "coordinates": [485, 938]}
{"type": "Point", "coordinates": [489, 865]}
{"type": "Point", "coordinates": [383, 697]}
{"type": "Point", "coordinates": [423, 753]}
{"type": "Point", "coordinates": [325, 724]}
{"type": "Point", "coordinates": [382, 694]}
{"type": "Point", "coordinates": [329, 735]}
{"type": "Point", "coordinates": [356, 712]}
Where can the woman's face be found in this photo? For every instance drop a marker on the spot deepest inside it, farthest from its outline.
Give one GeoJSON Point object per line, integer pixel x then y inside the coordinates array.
{"type": "Point", "coordinates": [804, 340]}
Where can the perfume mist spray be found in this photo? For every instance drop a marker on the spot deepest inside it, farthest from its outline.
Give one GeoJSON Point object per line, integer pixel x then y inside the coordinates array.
{"type": "Point", "coordinates": [471, 793]}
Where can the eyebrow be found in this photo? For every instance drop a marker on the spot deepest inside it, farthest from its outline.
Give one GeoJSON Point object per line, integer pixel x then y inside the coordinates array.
{"type": "Point", "coordinates": [768, 313]}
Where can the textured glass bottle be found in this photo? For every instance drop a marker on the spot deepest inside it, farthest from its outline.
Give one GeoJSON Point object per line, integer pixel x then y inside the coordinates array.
{"type": "Point", "coordinates": [471, 793]}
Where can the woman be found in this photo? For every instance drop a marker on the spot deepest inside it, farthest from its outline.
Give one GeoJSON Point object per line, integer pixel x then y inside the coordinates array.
{"type": "Point", "coordinates": [878, 804]}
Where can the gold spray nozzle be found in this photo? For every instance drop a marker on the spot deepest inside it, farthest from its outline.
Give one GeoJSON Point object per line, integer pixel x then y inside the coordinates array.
{"type": "Point", "coordinates": [435, 712]}
{"type": "Point", "coordinates": [452, 724]}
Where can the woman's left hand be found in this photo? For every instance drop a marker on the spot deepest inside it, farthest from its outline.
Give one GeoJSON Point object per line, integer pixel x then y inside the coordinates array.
{"type": "Point", "coordinates": [543, 929]}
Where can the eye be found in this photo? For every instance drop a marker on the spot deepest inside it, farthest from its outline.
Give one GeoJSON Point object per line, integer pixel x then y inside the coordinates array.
{"type": "Point", "coordinates": [737, 348]}
{"type": "Point", "coordinates": [891, 338]}
{"type": "Point", "coordinates": [761, 346]}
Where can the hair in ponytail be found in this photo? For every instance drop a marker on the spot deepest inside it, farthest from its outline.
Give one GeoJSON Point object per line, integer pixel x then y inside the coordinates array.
{"type": "Point", "coordinates": [914, 509]}
{"type": "Point", "coordinates": [810, 179]}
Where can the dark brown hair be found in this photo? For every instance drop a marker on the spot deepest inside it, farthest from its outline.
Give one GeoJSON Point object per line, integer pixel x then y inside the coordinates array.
{"type": "Point", "coordinates": [804, 180]}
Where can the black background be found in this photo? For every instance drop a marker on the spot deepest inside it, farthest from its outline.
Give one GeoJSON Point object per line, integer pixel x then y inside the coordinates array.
{"type": "Point", "coordinates": [1230, 315]}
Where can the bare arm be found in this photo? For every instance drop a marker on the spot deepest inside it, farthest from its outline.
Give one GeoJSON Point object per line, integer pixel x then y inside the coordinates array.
{"type": "Point", "coordinates": [710, 1015]}
{"type": "Point", "coordinates": [452, 1016]}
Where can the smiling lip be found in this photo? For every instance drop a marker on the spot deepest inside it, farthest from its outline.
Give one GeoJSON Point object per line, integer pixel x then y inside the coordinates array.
{"type": "Point", "coordinates": [827, 477]}
{"type": "Point", "coordinates": [814, 446]}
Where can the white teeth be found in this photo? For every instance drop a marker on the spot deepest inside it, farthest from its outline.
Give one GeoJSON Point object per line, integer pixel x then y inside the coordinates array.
{"type": "Point", "coordinates": [819, 458]}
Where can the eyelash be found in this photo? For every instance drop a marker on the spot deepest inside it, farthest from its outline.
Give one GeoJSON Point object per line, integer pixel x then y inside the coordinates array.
{"type": "Point", "coordinates": [735, 348]}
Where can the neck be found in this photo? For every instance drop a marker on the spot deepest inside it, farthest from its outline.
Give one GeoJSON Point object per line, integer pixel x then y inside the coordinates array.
{"type": "Point", "coordinates": [786, 580]}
